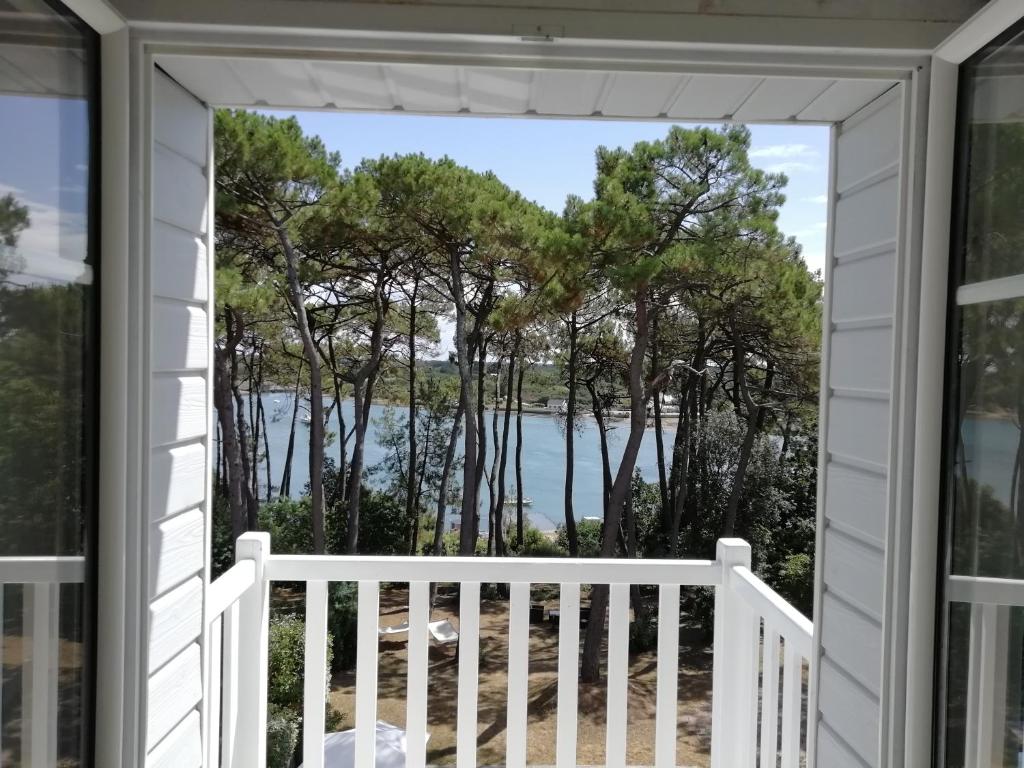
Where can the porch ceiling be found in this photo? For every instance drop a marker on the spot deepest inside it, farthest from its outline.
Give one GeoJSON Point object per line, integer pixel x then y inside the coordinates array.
{"type": "Point", "coordinates": [509, 91]}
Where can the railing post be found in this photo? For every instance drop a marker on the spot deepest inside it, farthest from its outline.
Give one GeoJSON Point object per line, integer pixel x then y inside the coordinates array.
{"type": "Point", "coordinates": [734, 675]}
{"type": "Point", "coordinates": [250, 749]}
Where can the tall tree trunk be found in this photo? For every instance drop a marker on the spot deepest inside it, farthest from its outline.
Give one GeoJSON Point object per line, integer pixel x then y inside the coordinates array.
{"type": "Point", "coordinates": [520, 523]}
{"type": "Point", "coordinates": [590, 670]}
{"type": "Point", "coordinates": [340, 492]}
{"type": "Point", "coordinates": [223, 401]}
{"type": "Point", "coordinates": [414, 541]}
{"type": "Point", "coordinates": [355, 484]}
{"type": "Point", "coordinates": [412, 512]}
{"type": "Point", "coordinates": [659, 438]}
{"type": "Point", "coordinates": [286, 474]}
{"type": "Point", "coordinates": [755, 421]}
{"type": "Point", "coordinates": [466, 542]}
{"type": "Point", "coordinates": [481, 431]}
{"type": "Point", "coordinates": [446, 473]}
{"type": "Point", "coordinates": [499, 515]}
{"type": "Point", "coordinates": [266, 450]}
{"type": "Point", "coordinates": [570, 440]}
{"type": "Point", "coordinates": [252, 506]}
{"type": "Point", "coordinates": [316, 395]}
{"type": "Point", "coordinates": [602, 432]}
{"type": "Point", "coordinates": [492, 491]}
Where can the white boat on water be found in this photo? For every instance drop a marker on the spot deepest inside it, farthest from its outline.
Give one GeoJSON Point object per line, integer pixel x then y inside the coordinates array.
{"type": "Point", "coordinates": [527, 501]}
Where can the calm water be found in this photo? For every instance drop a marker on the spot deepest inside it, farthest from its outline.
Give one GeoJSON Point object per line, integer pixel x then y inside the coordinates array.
{"type": "Point", "coordinates": [543, 457]}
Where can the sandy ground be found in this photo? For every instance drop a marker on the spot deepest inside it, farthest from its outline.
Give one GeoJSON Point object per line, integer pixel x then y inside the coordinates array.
{"type": "Point", "coordinates": [694, 715]}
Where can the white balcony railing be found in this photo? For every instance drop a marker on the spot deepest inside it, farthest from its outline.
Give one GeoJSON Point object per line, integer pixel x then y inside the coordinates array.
{"type": "Point", "coordinates": [40, 581]}
{"type": "Point", "coordinates": [760, 641]}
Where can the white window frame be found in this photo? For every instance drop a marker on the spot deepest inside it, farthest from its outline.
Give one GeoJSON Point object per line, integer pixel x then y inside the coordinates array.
{"type": "Point", "coordinates": [972, 36]}
{"type": "Point", "coordinates": [126, 53]}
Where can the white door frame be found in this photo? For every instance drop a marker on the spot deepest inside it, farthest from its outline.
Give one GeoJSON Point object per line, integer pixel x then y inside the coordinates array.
{"type": "Point", "coordinates": [129, 53]}
{"type": "Point", "coordinates": [978, 31]}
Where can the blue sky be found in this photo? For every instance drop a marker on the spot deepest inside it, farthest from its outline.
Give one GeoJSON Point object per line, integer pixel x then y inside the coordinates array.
{"type": "Point", "coordinates": [548, 159]}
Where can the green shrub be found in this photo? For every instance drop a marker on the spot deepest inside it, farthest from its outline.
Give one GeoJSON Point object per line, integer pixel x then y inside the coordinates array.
{"type": "Point", "coordinates": [796, 582]}
{"type": "Point", "coordinates": [282, 737]}
{"type": "Point", "coordinates": [588, 535]}
{"type": "Point", "coordinates": [342, 621]}
{"type": "Point", "coordinates": [536, 544]}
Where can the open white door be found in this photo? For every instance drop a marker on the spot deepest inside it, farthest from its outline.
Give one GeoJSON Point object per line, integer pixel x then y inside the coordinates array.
{"type": "Point", "coordinates": [178, 404]}
{"type": "Point", "coordinates": [862, 379]}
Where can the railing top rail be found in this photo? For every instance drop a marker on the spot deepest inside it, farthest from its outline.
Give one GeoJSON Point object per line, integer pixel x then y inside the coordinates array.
{"type": "Point", "coordinates": [793, 625]}
{"type": "Point", "coordinates": [508, 570]}
{"type": "Point", "coordinates": [69, 569]}
{"type": "Point", "coordinates": [229, 588]}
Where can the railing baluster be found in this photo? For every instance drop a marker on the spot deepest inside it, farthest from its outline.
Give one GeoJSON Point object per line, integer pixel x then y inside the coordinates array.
{"type": "Point", "coordinates": [792, 696]}
{"type": "Point", "coordinates": [39, 686]}
{"type": "Point", "coordinates": [469, 667]}
{"type": "Point", "coordinates": [568, 673]}
{"type": "Point", "coordinates": [366, 673]}
{"type": "Point", "coordinates": [315, 679]}
{"type": "Point", "coordinates": [250, 749]}
{"type": "Point", "coordinates": [618, 670]}
{"type": "Point", "coordinates": [229, 687]}
{"type": "Point", "coordinates": [518, 674]}
{"type": "Point", "coordinates": [416, 687]}
{"type": "Point", "coordinates": [667, 707]}
{"type": "Point", "coordinates": [770, 698]}
{"type": "Point", "coordinates": [213, 693]}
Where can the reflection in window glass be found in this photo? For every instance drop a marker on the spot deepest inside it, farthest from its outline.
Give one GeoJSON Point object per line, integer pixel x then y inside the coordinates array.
{"type": "Point", "coordinates": [47, 354]}
{"type": "Point", "coordinates": [985, 674]}
{"type": "Point", "coordinates": [988, 527]}
{"type": "Point", "coordinates": [993, 241]}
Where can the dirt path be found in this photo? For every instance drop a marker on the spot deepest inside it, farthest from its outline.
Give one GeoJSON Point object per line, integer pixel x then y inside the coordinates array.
{"type": "Point", "coordinates": [694, 714]}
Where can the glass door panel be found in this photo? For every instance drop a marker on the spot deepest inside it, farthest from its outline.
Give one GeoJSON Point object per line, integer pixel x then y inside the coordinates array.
{"type": "Point", "coordinates": [982, 710]}
{"type": "Point", "coordinates": [48, 339]}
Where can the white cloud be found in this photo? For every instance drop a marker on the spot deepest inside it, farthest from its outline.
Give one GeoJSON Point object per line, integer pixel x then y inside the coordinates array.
{"type": "Point", "coordinates": [52, 247]}
{"type": "Point", "coordinates": [789, 166]}
{"type": "Point", "coordinates": [814, 230]}
{"type": "Point", "coordinates": [817, 199]}
{"type": "Point", "coordinates": [784, 151]}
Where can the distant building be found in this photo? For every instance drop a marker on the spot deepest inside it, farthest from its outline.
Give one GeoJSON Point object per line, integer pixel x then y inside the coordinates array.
{"type": "Point", "coordinates": [557, 404]}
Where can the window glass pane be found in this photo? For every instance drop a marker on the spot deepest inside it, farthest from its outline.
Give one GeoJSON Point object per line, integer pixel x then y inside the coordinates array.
{"type": "Point", "coordinates": [985, 684]}
{"type": "Point", "coordinates": [993, 234]}
{"type": "Point", "coordinates": [988, 524]}
{"type": "Point", "coordinates": [47, 367]}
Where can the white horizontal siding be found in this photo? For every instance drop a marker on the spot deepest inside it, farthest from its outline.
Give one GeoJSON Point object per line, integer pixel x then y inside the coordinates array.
{"type": "Point", "coordinates": [179, 423]}
{"type": "Point", "coordinates": [854, 572]}
{"type": "Point", "coordinates": [856, 500]}
{"type": "Point", "coordinates": [178, 264]}
{"type": "Point", "coordinates": [175, 621]}
{"type": "Point", "coordinates": [178, 479]}
{"type": "Point", "coordinates": [852, 641]}
{"type": "Point", "coordinates": [177, 545]}
{"type": "Point", "coordinates": [859, 408]}
{"type": "Point", "coordinates": [850, 711]}
{"type": "Point", "coordinates": [182, 747]}
{"type": "Point", "coordinates": [180, 336]}
{"type": "Point", "coordinates": [179, 409]}
{"type": "Point", "coordinates": [174, 690]}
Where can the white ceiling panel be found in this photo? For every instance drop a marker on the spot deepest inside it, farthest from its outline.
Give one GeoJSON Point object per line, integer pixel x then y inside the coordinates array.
{"type": "Point", "coordinates": [641, 94]}
{"type": "Point", "coordinates": [498, 91]}
{"type": "Point", "coordinates": [278, 82]}
{"type": "Point", "coordinates": [210, 79]}
{"type": "Point", "coordinates": [429, 88]}
{"type": "Point", "coordinates": [572, 93]}
{"type": "Point", "coordinates": [781, 98]}
{"type": "Point", "coordinates": [712, 97]}
{"type": "Point", "coordinates": [842, 99]}
{"type": "Point", "coordinates": [353, 86]}
{"type": "Point", "coordinates": [492, 90]}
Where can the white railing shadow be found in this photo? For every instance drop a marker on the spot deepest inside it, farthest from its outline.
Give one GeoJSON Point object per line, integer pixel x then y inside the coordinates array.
{"type": "Point", "coordinates": [747, 719]}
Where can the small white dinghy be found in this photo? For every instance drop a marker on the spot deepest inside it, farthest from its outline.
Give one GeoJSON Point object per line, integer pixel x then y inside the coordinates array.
{"type": "Point", "coordinates": [340, 748]}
